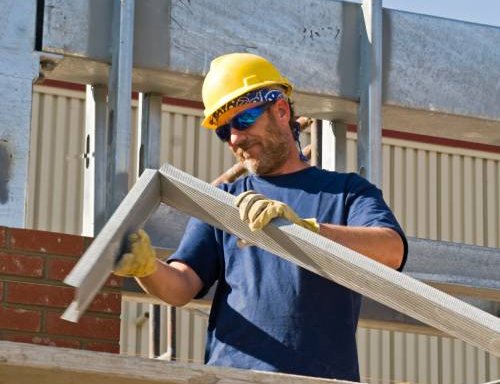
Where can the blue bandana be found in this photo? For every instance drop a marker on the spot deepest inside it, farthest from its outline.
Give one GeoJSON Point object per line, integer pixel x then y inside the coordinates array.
{"type": "Point", "coordinates": [261, 95]}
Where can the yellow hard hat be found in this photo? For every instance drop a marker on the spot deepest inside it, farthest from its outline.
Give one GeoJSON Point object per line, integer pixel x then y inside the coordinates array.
{"type": "Point", "coordinates": [233, 75]}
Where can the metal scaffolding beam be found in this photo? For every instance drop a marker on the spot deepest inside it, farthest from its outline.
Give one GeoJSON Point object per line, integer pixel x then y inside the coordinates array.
{"type": "Point", "coordinates": [92, 270]}
{"type": "Point", "coordinates": [425, 89]}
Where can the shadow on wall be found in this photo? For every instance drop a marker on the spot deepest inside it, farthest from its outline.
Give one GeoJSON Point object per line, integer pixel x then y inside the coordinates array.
{"type": "Point", "coordinates": [5, 165]}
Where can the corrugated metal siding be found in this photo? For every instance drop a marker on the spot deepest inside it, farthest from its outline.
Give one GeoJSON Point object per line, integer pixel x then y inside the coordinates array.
{"type": "Point", "coordinates": [440, 193]}
{"type": "Point", "coordinates": [436, 192]}
{"type": "Point", "coordinates": [55, 197]}
{"type": "Point", "coordinates": [55, 173]}
{"type": "Point", "coordinates": [134, 337]}
{"type": "Point", "coordinates": [388, 357]}
{"type": "Point", "coordinates": [190, 336]}
{"type": "Point", "coordinates": [187, 147]}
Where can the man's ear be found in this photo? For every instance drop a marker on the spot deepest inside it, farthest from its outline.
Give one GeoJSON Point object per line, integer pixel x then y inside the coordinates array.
{"type": "Point", "coordinates": [283, 109]}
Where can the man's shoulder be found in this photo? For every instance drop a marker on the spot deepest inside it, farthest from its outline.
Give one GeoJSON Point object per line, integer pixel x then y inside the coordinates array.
{"type": "Point", "coordinates": [238, 185]}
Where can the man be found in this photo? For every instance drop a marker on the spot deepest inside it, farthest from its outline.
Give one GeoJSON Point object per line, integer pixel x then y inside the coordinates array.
{"type": "Point", "coordinates": [267, 313]}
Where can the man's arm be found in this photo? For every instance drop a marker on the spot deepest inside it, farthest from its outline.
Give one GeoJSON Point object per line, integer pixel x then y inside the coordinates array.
{"type": "Point", "coordinates": [381, 244]}
{"type": "Point", "coordinates": [175, 283]}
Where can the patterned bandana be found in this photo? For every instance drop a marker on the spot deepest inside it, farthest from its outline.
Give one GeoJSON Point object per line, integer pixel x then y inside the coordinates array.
{"type": "Point", "coordinates": [257, 96]}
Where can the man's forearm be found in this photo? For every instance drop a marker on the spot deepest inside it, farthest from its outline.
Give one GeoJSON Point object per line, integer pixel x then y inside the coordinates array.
{"type": "Point", "coordinates": [174, 283]}
{"type": "Point", "coordinates": [381, 244]}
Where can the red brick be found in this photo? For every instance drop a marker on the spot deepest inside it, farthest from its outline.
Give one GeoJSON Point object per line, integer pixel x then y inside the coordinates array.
{"type": "Point", "coordinates": [1, 291]}
{"type": "Point", "coordinates": [19, 319]}
{"type": "Point", "coordinates": [3, 237]}
{"type": "Point", "coordinates": [107, 302]}
{"type": "Point", "coordinates": [103, 347]}
{"type": "Point", "coordinates": [58, 269]}
{"type": "Point", "coordinates": [21, 265]}
{"type": "Point", "coordinates": [42, 340]}
{"type": "Point", "coordinates": [39, 294]}
{"type": "Point", "coordinates": [58, 297]}
{"type": "Point", "coordinates": [89, 326]}
{"type": "Point", "coordinates": [114, 281]}
{"type": "Point", "coordinates": [46, 242]}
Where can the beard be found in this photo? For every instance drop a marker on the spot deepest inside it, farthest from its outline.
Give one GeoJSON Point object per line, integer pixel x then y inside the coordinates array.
{"type": "Point", "coordinates": [274, 152]}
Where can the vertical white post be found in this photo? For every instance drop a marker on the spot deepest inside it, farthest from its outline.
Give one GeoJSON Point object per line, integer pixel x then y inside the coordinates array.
{"type": "Point", "coordinates": [339, 130]}
{"type": "Point", "coordinates": [95, 160]}
{"type": "Point", "coordinates": [334, 156]}
{"type": "Point", "coordinates": [370, 106]}
{"type": "Point", "coordinates": [316, 143]}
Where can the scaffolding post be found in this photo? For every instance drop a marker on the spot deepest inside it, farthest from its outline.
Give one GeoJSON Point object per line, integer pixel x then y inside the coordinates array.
{"type": "Point", "coordinates": [150, 126]}
{"type": "Point", "coordinates": [149, 123]}
{"type": "Point", "coordinates": [370, 104]}
{"type": "Point", "coordinates": [119, 99]}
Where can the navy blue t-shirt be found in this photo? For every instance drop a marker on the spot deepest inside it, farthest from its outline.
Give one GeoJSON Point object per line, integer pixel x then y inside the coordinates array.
{"type": "Point", "coordinates": [269, 314]}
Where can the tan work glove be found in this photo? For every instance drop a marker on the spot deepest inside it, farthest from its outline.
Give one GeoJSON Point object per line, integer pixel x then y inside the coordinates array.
{"type": "Point", "coordinates": [141, 260]}
{"type": "Point", "coordinates": [257, 210]}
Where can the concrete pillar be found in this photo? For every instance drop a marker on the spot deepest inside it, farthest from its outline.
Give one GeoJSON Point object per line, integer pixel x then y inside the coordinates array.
{"type": "Point", "coordinates": [19, 67]}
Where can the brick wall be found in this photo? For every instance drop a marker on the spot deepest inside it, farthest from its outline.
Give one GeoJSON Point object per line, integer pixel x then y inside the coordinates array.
{"type": "Point", "coordinates": [33, 296]}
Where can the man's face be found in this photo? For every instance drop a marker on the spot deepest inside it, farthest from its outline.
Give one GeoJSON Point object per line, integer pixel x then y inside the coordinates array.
{"type": "Point", "coordinates": [264, 147]}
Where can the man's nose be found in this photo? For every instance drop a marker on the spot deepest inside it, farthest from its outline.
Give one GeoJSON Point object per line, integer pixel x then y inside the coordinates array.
{"type": "Point", "coordinates": [236, 136]}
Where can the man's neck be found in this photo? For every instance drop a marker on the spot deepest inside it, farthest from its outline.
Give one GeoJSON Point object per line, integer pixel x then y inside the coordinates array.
{"type": "Point", "coordinates": [291, 166]}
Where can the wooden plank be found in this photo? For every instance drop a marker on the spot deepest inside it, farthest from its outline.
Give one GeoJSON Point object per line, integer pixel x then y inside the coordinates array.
{"type": "Point", "coordinates": [26, 364]}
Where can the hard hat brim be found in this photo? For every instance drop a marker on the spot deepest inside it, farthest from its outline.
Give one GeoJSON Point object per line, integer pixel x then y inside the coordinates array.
{"type": "Point", "coordinates": [206, 123]}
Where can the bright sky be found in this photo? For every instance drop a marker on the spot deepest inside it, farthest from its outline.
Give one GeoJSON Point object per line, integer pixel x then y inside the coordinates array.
{"type": "Point", "coordinates": [476, 11]}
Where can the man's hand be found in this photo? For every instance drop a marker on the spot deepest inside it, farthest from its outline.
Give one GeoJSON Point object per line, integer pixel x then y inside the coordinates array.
{"type": "Point", "coordinates": [141, 260]}
{"type": "Point", "coordinates": [257, 210]}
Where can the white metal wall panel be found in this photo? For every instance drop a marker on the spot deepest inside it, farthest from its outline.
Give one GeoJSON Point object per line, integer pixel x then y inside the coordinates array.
{"type": "Point", "coordinates": [134, 337]}
{"type": "Point", "coordinates": [190, 336]}
{"type": "Point", "coordinates": [438, 192]}
{"type": "Point", "coordinates": [55, 174]}
{"type": "Point", "coordinates": [191, 148]}
{"type": "Point", "coordinates": [388, 357]}
{"type": "Point", "coordinates": [55, 186]}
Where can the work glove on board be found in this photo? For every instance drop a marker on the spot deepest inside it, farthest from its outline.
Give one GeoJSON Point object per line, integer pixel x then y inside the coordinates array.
{"type": "Point", "coordinates": [140, 261]}
{"type": "Point", "coordinates": [257, 210]}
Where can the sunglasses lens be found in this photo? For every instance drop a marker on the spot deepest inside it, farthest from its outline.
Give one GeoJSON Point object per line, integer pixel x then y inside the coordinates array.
{"type": "Point", "coordinates": [223, 132]}
{"type": "Point", "coordinates": [241, 122]}
{"type": "Point", "coordinates": [247, 118]}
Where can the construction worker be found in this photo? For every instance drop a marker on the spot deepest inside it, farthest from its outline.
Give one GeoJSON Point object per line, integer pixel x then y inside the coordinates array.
{"type": "Point", "coordinates": [269, 314]}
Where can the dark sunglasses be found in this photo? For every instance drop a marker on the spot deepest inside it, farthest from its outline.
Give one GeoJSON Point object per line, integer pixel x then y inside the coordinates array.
{"type": "Point", "coordinates": [242, 121]}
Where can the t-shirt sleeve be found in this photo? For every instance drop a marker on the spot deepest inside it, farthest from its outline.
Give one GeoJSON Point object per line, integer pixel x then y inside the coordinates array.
{"type": "Point", "coordinates": [200, 250]}
{"type": "Point", "coordinates": [366, 207]}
